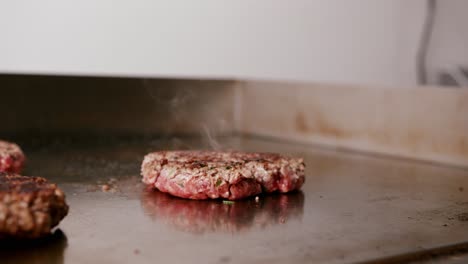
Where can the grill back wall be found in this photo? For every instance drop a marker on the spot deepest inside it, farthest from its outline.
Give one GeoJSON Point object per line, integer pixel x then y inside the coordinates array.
{"type": "Point", "coordinates": [424, 123]}
{"type": "Point", "coordinates": [91, 105]}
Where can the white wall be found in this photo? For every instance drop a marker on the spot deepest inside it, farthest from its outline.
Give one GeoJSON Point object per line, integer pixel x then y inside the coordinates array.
{"type": "Point", "coordinates": [361, 41]}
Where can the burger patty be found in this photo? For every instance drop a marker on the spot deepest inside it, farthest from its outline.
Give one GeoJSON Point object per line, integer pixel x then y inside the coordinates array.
{"type": "Point", "coordinates": [11, 157]}
{"type": "Point", "coordinates": [215, 174]}
{"type": "Point", "coordinates": [29, 206]}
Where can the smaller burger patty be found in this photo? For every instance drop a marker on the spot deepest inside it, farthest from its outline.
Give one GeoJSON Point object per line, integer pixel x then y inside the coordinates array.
{"type": "Point", "coordinates": [29, 206]}
{"type": "Point", "coordinates": [11, 157]}
{"type": "Point", "coordinates": [216, 174]}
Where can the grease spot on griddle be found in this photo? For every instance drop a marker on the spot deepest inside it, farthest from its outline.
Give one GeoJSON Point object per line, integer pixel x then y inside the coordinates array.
{"type": "Point", "coordinates": [319, 125]}
{"type": "Point", "coordinates": [301, 123]}
{"type": "Point", "coordinates": [463, 217]}
{"type": "Point", "coordinates": [384, 198]}
{"type": "Point", "coordinates": [224, 259]}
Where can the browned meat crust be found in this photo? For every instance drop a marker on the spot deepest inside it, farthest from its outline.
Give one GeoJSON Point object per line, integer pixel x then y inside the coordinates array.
{"type": "Point", "coordinates": [29, 206]}
{"type": "Point", "coordinates": [228, 175]}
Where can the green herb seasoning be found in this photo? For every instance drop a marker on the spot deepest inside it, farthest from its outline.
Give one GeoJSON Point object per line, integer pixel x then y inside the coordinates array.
{"type": "Point", "coordinates": [228, 202]}
{"type": "Point", "coordinates": [218, 182]}
{"type": "Point", "coordinates": [228, 167]}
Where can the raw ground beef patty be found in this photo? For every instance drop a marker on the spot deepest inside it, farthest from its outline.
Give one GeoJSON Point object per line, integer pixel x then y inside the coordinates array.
{"type": "Point", "coordinates": [215, 174]}
{"type": "Point", "coordinates": [11, 157]}
{"type": "Point", "coordinates": [29, 206]}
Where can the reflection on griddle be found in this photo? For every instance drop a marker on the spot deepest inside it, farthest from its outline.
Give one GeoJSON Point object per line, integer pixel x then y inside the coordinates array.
{"type": "Point", "coordinates": [215, 216]}
{"type": "Point", "coordinates": [49, 249]}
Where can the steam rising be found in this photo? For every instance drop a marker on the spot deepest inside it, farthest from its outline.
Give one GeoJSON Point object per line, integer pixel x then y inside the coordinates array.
{"type": "Point", "coordinates": [184, 108]}
{"type": "Point", "coordinates": [214, 144]}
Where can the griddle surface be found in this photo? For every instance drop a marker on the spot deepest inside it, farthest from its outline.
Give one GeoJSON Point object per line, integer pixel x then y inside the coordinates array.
{"type": "Point", "coordinates": [352, 208]}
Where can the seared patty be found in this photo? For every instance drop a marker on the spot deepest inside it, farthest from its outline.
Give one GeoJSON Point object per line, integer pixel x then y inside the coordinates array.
{"type": "Point", "coordinates": [215, 174]}
{"type": "Point", "coordinates": [11, 157]}
{"type": "Point", "coordinates": [29, 206]}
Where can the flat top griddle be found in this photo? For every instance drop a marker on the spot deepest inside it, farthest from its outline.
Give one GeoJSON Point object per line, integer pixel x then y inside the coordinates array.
{"type": "Point", "coordinates": [352, 208]}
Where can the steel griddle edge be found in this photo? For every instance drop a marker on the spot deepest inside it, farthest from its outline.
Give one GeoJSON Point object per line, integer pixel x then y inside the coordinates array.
{"type": "Point", "coordinates": [353, 208]}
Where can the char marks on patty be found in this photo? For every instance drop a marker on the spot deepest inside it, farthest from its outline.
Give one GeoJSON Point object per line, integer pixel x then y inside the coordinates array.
{"type": "Point", "coordinates": [216, 174]}
{"type": "Point", "coordinates": [29, 206]}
